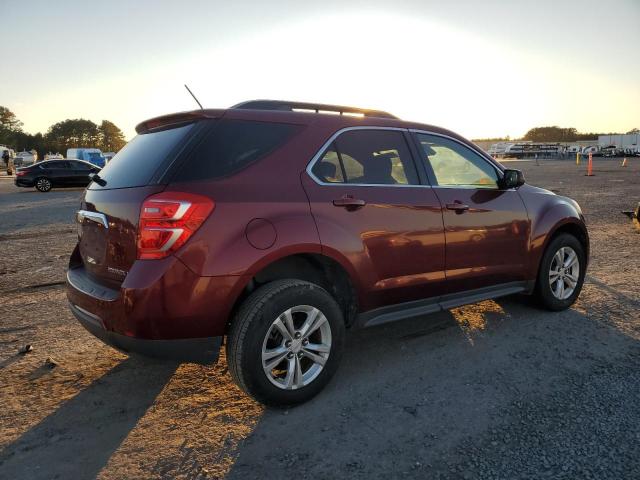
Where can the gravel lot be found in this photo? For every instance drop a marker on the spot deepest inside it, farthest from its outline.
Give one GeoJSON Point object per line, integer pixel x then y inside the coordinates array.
{"type": "Point", "coordinates": [496, 390]}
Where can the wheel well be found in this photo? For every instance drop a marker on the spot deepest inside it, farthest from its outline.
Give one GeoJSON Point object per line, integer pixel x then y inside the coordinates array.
{"type": "Point", "coordinates": [576, 231]}
{"type": "Point", "coordinates": [314, 268]}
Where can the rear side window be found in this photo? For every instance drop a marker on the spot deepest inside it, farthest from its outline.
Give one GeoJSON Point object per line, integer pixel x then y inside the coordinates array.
{"type": "Point", "coordinates": [56, 165]}
{"type": "Point", "coordinates": [368, 157]}
{"type": "Point", "coordinates": [232, 145]}
{"type": "Point", "coordinates": [329, 168]}
{"type": "Point", "coordinates": [138, 161]}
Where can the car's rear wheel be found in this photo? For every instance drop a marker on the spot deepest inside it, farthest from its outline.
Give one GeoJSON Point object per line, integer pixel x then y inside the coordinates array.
{"type": "Point", "coordinates": [561, 273]}
{"type": "Point", "coordinates": [285, 342]}
{"type": "Point", "coordinates": [43, 184]}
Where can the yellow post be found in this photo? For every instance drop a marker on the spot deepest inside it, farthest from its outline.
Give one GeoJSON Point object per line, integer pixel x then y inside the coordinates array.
{"type": "Point", "coordinates": [577, 158]}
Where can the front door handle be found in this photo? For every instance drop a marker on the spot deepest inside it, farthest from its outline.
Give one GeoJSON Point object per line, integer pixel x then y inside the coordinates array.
{"type": "Point", "coordinates": [459, 207]}
{"type": "Point", "coordinates": [349, 203]}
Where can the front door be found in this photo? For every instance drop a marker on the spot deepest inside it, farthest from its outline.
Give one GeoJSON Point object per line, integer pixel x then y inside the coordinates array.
{"type": "Point", "coordinates": [372, 211]}
{"type": "Point", "coordinates": [59, 172]}
{"type": "Point", "coordinates": [79, 173]}
{"type": "Point", "coordinates": [486, 227]}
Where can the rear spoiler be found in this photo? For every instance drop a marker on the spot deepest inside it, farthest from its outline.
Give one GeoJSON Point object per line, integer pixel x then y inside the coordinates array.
{"type": "Point", "coordinates": [175, 119]}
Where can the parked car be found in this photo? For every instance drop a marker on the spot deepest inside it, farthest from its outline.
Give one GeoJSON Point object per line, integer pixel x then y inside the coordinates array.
{"type": "Point", "coordinates": [91, 155]}
{"type": "Point", "coordinates": [55, 173]}
{"type": "Point", "coordinates": [53, 156]}
{"type": "Point", "coordinates": [24, 159]}
{"type": "Point", "coordinates": [279, 229]}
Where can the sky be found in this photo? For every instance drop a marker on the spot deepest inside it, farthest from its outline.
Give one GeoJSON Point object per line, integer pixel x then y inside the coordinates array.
{"type": "Point", "coordinates": [482, 68]}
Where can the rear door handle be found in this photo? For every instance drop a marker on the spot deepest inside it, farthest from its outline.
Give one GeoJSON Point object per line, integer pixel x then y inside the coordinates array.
{"type": "Point", "coordinates": [349, 203]}
{"type": "Point", "coordinates": [458, 207]}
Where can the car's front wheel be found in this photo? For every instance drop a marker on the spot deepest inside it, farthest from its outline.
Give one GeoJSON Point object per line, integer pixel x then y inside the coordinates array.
{"type": "Point", "coordinates": [561, 273]}
{"type": "Point", "coordinates": [43, 184]}
{"type": "Point", "coordinates": [285, 342]}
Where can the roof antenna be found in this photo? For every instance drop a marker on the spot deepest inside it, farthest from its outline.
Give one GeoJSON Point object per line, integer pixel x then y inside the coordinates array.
{"type": "Point", "coordinates": [194, 97]}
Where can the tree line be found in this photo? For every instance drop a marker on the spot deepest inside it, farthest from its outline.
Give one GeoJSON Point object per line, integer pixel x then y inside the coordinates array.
{"type": "Point", "coordinates": [554, 134]}
{"type": "Point", "coordinates": [70, 133]}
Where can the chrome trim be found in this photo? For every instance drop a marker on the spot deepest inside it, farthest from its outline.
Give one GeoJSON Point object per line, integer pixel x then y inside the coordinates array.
{"type": "Point", "coordinates": [474, 187]}
{"type": "Point", "coordinates": [182, 209]}
{"type": "Point", "coordinates": [88, 313]}
{"type": "Point", "coordinates": [93, 217]}
{"type": "Point", "coordinates": [175, 234]}
{"type": "Point", "coordinates": [326, 144]}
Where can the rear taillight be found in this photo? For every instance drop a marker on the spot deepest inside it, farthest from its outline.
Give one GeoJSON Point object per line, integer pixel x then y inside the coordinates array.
{"type": "Point", "coordinates": [20, 174]}
{"type": "Point", "coordinates": [167, 221]}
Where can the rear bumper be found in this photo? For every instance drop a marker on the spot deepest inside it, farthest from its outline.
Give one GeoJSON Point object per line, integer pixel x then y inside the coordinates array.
{"type": "Point", "coordinates": [197, 350]}
{"type": "Point", "coordinates": [162, 309]}
{"type": "Point", "coordinates": [20, 182]}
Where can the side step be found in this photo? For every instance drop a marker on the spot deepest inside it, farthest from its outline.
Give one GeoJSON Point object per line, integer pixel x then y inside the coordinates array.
{"type": "Point", "coordinates": [418, 308]}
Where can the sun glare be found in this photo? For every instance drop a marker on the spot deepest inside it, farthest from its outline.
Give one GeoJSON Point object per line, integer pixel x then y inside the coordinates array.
{"type": "Point", "coordinates": [418, 69]}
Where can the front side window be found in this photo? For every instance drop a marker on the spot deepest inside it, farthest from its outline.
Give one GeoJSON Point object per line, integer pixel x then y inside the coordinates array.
{"type": "Point", "coordinates": [80, 166]}
{"type": "Point", "coordinates": [368, 157]}
{"type": "Point", "coordinates": [453, 164]}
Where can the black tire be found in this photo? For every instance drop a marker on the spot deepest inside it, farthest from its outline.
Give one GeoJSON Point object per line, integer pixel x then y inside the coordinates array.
{"type": "Point", "coordinates": [544, 293]}
{"type": "Point", "coordinates": [43, 184]}
{"type": "Point", "coordinates": [252, 323]}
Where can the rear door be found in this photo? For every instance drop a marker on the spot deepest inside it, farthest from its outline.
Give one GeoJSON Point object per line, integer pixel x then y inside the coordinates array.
{"type": "Point", "coordinates": [110, 210]}
{"type": "Point", "coordinates": [486, 227]}
{"type": "Point", "coordinates": [59, 172]}
{"type": "Point", "coordinates": [371, 209]}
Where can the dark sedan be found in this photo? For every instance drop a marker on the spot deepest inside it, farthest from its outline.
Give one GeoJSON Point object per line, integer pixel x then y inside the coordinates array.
{"type": "Point", "coordinates": [55, 173]}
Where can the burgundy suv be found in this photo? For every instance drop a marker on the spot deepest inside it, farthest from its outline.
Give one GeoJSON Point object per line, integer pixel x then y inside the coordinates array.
{"type": "Point", "coordinates": [279, 225]}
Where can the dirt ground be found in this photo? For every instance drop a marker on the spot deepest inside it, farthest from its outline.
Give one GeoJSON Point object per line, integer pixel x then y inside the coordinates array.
{"type": "Point", "coordinates": [498, 389]}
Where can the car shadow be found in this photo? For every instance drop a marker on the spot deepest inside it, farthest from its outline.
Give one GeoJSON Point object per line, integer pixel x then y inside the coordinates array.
{"type": "Point", "coordinates": [77, 440]}
{"type": "Point", "coordinates": [408, 393]}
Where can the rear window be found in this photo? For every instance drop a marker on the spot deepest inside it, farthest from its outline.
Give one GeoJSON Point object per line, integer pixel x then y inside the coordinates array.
{"type": "Point", "coordinates": [231, 145]}
{"type": "Point", "coordinates": [138, 161]}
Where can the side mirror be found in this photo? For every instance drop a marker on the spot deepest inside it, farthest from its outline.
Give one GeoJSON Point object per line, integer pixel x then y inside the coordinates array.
{"type": "Point", "coordinates": [511, 179]}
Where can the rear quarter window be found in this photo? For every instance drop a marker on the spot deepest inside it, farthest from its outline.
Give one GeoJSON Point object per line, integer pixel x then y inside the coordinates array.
{"type": "Point", "coordinates": [231, 145]}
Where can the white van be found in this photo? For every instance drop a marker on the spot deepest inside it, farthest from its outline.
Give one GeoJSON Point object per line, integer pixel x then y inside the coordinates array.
{"type": "Point", "coordinates": [91, 155]}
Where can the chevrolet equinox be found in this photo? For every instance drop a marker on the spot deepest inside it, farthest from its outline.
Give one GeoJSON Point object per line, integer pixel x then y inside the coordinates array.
{"type": "Point", "coordinates": [279, 225]}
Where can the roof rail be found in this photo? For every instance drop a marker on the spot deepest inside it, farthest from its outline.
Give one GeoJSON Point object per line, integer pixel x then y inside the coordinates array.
{"type": "Point", "coordinates": [282, 105]}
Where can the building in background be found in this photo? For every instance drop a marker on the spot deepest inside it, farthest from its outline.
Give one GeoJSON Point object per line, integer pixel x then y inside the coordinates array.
{"type": "Point", "coordinates": [624, 143]}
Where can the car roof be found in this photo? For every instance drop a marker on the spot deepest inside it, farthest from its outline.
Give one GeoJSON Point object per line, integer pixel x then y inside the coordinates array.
{"type": "Point", "coordinates": [49, 160]}
{"type": "Point", "coordinates": [334, 117]}
{"type": "Point", "coordinates": [326, 117]}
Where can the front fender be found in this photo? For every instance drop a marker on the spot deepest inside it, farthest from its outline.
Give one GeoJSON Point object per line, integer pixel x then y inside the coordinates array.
{"type": "Point", "coordinates": [548, 213]}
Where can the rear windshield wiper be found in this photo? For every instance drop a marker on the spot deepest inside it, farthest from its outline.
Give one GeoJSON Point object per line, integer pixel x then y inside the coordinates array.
{"type": "Point", "coordinates": [94, 177]}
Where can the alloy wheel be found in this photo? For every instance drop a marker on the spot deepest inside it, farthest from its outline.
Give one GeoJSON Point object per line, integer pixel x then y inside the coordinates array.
{"type": "Point", "coordinates": [296, 347]}
{"type": "Point", "coordinates": [564, 273]}
{"type": "Point", "coordinates": [43, 184]}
